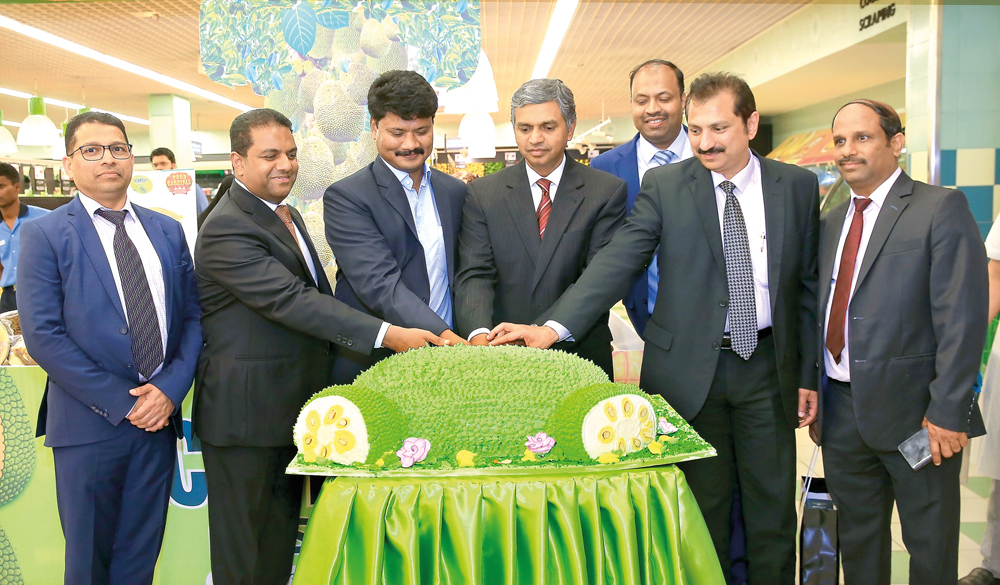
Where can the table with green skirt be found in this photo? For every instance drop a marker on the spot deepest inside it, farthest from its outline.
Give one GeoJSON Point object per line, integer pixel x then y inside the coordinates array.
{"type": "Point", "coordinates": [593, 525]}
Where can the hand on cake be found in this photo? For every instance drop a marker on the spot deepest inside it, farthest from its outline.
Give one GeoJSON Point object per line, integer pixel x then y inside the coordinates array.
{"type": "Point", "coordinates": [400, 339]}
{"type": "Point", "coordinates": [531, 335]}
{"type": "Point", "coordinates": [153, 409]}
{"type": "Point", "coordinates": [452, 338]}
{"type": "Point", "coordinates": [480, 339]}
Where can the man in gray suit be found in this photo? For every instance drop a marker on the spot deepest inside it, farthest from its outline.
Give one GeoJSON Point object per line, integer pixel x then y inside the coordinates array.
{"type": "Point", "coordinates": [904, 293]}
{"type": "Point", "coordinates": [529, 230]}
{"type": "Point", "coordinates": [731, 341]}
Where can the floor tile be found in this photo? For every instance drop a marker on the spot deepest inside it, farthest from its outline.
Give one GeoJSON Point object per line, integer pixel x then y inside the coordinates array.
{"type": "Point", "coordinates": [900, 567]}
{"type": "Point", "coordinates": [980, 485]}
{"type": "Point", "coordinates": [897, 536]}
{"type": "Point", "coordinates": [973, 510]}
{"type": "Point", "coordinates": [974, 530]}
{"type": "Point", "coordinates": [968, 560]}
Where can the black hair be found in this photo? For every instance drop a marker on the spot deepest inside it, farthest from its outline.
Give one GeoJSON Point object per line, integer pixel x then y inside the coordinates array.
{"type": "Point", "coordinates": [654, 63]}
{"type": "Point", "coordinates": [709, 85]}
{"type": "Point", "coordinates": [240, 138]}
{"type": "Point", "coordinates": [888, 119]}
{"type": "Point", "coordinates": [12, 174]}
{"type": "Point", "coordinates": [91, 117]}
{"type": "Point", "coordinates": [404, 93]}
{"type": "Point", "coordinates": [163, 151]}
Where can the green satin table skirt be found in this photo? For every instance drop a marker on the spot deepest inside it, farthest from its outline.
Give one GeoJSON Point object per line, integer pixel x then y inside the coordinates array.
{"type": "Point", "coordinates": [602, 527]}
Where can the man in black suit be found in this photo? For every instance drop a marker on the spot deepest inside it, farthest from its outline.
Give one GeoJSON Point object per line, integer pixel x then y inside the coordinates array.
{"type": "Point", "coordinates": [270, 323]}
{"type": "Point", "coordinates": [905, 297]}
{"type": "Point", "coordinates": [393, 225]}
{"type": "Point", "coordinates": [529, 230]}
{"type": "Point", "coordinates": [731, 342]}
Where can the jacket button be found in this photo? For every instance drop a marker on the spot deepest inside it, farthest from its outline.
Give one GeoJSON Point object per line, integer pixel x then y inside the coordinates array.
{"type": "Point", "coordinates": [645, 302]}
{"type": "Point", "coordinates": [350, 342]}
{"type": "Point", "coordinates": [723, 303]}
{"type": "Point", "coordinates": [715, 346]}
{"type": "Point", "coordinates": [123, 330]}
{"type": "Point", "coordinates": [425, 301]}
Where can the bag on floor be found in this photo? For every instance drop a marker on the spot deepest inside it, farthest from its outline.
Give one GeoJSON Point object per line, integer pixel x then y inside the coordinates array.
{"type": "Point", "coordinates": [819, 549]}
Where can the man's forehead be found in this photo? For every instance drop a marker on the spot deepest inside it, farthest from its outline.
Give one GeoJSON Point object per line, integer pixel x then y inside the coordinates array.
{"type": "Point", "coordinates": [660, 79]}
{"type": "Point", "coordinates": [96, 129]}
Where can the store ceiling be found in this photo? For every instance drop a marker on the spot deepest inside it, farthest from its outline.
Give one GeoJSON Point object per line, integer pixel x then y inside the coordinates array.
{"type": "Point", "coordinates": [605, 40]}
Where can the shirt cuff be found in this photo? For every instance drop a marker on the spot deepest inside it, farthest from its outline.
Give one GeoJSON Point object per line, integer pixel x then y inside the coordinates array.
{"type": "Point", "coordinates": [477, 332]}
{"type": "Point", "coordinates": [133, 408]}
{"type": "Point", "coordinates": [381, 334]}
{"type": "Point", "coordinates": [561, 331]}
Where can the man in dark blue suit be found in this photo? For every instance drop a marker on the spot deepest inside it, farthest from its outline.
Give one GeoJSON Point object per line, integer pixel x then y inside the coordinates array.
{"type": "Point", "coordinates": [657, 89]}
{"type": "Point", "coordinates": [109, 309]}
{"type": "Point", "coordinates": [393, 225]}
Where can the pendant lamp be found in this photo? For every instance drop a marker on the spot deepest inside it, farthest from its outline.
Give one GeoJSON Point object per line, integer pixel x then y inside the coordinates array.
{"type": "Point", "coordinates": [37, 129]}
{"type": "Point", "coordinates": [7, 144]}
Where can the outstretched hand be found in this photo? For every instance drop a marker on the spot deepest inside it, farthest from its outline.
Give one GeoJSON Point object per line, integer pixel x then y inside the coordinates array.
{"type": "Point", "coordinates": [400, 339]}
{"type": "Point", "coordinates": [531, 335]}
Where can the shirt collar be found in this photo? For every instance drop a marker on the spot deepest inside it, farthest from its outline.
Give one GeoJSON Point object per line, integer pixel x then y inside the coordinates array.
{"type": "Point", "coordinates": [273, 206]}
{"type": "Point", "coordinates": [404, 177]}
{"type": "Point", "coordinates": [647, 150]}
{"type": "Point", "coordinates": [23, 210]}
{"type": "Point", "coordinates": [741, 179]}
{"type": "Point", "coordinates": [881, 192]}
{"type": "Point", "coordinates": [91, 205]}
{"type": "Point", "coordinates": [555, 176]}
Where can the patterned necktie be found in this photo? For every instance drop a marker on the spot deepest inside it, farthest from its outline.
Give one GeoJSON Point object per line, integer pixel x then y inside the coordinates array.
{"type": "Point", "coordinates": [663, 157]}
{"type": "Point", "coordinates": [739, 274]}
{"type": "Point", "coordinates": [544, 207]}
{"type": "Point", "coordinates": [144, 329]}
{"type": "Point", "coordinates": [286, 218]}
{"type": "Point", "coordinates": [845, 278]}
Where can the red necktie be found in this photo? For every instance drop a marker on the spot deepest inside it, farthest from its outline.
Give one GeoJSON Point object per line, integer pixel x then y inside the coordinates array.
{"type": "Point", "coordinates": [544, 207]}
{"type": "Point", "coordinates": [845, 279]}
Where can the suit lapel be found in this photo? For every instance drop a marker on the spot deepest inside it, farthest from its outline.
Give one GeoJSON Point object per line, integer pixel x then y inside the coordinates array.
{"type": "Point", "coordinates": [627, 167]}
{"type": "Point", "coordinates": [84, 226]}
{"type": "Point", "coordinates": [703, 192]}
{"type": "Point", "coordinates": [522, 210]}
{"type": "Point", "coordinates": [156, 236]}
{"type": "Point", "coordinates": [892, 208]}
{"type": "Point", "coordinates": [267, 219]}
{"type": "Point", "coordinates": [775, 203]}
{"type": "Point", "coordinates": [393, 192]}
{"type": "Point", "coordinates": [448, 229]}
{"type": "Point", "coordinates": [569, 196]}
{"type": "Point", "coordinates": [830, 240]}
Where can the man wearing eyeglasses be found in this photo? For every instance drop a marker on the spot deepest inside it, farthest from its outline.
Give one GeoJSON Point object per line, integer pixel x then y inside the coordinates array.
{"type": "Point", "coordinates": [109, 308]}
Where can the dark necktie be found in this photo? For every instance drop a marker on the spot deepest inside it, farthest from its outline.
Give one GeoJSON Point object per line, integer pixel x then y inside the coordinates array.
{"type": "Point", "coordinates": [739, 274]}
{"type": "Point", "coordinates": [845, 279]}
{"type": "Point", "coordinates": [544, 206]}
{"type": "Point", "coordinates": [286, 218]}
{"type": "Point", "coordinates": [143, 327]}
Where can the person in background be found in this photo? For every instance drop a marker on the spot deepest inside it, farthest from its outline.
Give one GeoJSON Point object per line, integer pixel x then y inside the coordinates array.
{"type": "Point", "coordinates": [904, 301]}
{"type": "Point", "coordinates": [465, 176]}
{"type": "Point", "coordinates": [15, 213]}
{"type": "Point", "coordinates": [224, 186]}
{"type": "Point", "coordinates": [393, 225]}
{"type": "Point", "coordinates": [530, 230]}
{"type": "Point", "coordinates": [163, 159]}
{"type": "Point", "coordinates": [109, 309]}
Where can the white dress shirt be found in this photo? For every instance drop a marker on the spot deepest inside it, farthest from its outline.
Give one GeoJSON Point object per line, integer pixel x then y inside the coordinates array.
{"type": "Point", "coordinates": [308, 257]}
{"type": "Point", "coordinates": [423, 206]}
{"type": "Point", "coordinates": [750, 195]}
{"type": "Point", "coordinates": [842, 371]}
{"type": "Point", "coordinates": [151, 264]}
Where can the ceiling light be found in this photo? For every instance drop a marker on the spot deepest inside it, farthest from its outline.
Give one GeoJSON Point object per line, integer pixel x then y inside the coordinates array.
{"type": "Point", "coordinates": [7, 144]}
{"type": "Point", "coordinates": [72, 106]}
{"type": "Point", "coordinates": [37, 129]}
{"type": "Point", "coordinates": [11, 124]}
{"type": "Point", "coordinates": [40, 35]}
{"type": "Point", "coordinates": [558, 25]}
{"type": "Point", "coordinates": [479, 94]}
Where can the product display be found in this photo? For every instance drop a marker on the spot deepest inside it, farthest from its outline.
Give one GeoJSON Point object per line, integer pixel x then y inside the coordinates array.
{"type": "Point", "coordinates": [502, 408]}
{"type": "Point", "coordinates": [10, 338]}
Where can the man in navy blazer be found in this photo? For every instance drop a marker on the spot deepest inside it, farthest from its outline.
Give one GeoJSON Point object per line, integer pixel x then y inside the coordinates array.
{"type": "Point", "coordinates": [109, 309]}
{"type": "Point", "coordinates": [393, 225]}
{"type": "Point", "coordinates": [657, 89]}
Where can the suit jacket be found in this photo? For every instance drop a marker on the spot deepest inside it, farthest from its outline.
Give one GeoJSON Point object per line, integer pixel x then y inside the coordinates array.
{"type": "Point", "coordinates": [268, 326]}
{"type": "Point", "coordinates": [917, 320]}
{"type": "Point", "coordinates": [381, 265]}
{"type": "Point", "coordinates": [677, 211]}
{"type": "Point", "coordinates": [507, 273]}
{"type": "Point", "coordinates": [74, 324]}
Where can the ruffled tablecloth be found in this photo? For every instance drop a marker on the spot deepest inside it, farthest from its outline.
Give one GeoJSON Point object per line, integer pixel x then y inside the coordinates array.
{"type": "Point", "coordinates": [601, 527]}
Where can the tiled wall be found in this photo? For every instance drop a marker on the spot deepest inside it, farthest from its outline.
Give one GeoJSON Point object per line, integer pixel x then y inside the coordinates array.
{"type": "Point", "coordinates": [976, 171]}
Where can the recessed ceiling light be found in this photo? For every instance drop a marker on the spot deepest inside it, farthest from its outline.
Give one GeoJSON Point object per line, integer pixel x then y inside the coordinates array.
{"type": "Point", "coordinates": [558, 25]}
{"type": "Point", "coordinates": [51, 39]}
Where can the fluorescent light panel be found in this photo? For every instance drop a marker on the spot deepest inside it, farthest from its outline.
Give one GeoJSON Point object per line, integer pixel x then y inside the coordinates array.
{"type": "Point", "coordinates": [40, 35]}
{"type": "Point", "coordinates": [71, 106]}
{"type": "Point", "coordinates": [11, 124]}
{"type": "Point", "coordinates": [558, 25]}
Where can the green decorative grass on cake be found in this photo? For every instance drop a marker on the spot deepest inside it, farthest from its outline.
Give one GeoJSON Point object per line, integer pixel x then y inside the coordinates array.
{"type": "Point", "coordinates": [481, 408]}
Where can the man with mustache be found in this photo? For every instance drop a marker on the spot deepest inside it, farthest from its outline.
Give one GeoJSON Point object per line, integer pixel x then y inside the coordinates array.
{"type": "Point", "coordinates": [731, 341]}
{"type": "Point", "coordinates": [393, 225]}
{"type": "Point", "coordinates": [530, 230]}
{"type": "Point", "coordinates": [271, 326]}
{"type": "Point", "coordinates": [904, 299]}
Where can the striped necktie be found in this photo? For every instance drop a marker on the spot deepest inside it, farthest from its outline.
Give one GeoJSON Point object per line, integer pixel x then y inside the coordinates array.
{"type": "Point", "coordinates": [663, 157]}
{"type": "Point", "coordinates": [544, 206]}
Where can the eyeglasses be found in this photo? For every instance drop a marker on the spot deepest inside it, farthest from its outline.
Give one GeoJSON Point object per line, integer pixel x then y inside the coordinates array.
{"type": "Point", "coordinates": [94, 152]}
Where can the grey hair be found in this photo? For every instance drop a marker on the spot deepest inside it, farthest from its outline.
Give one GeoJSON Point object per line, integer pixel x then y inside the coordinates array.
{"type": "Point", "coordinates": [539, 91]}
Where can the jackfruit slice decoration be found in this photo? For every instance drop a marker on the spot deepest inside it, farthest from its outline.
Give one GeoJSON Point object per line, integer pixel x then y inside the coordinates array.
{"type": "Point", "coordinates": [603, 418]}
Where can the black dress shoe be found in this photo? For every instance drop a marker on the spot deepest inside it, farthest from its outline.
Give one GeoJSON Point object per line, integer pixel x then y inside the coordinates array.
{"type": "Point", "coordinates": [979, 576]}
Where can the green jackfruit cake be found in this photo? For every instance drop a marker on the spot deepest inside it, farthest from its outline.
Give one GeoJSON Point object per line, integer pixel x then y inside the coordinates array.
{"type": "Point", "coordinates": [10, 571]}
{"type": "Point", "coordinates": [17, 441]}
{"type": "Point", "coordinates": [442, 408]}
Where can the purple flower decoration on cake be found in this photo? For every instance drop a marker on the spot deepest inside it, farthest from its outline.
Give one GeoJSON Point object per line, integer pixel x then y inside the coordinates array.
{"type": "Point", "coordinates": [414, 450]}
{"type": "Point", "coordinates": [540, 444]}
{"type": "Point", "coordinates": [665, 427]}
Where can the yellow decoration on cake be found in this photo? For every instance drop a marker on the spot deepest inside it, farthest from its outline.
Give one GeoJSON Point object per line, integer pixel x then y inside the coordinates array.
{"type": "Point", "coordinates": [529, 456]}
{"type": "Point", "coordinates": [655, 447]}
{"type": "Point", "coordinates": [621, 423]}
{"type": "Point", "coordinates": [465, 458]}
{"type": "Point", "coordinates": [608, 457]}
